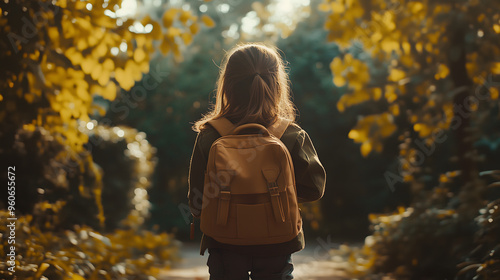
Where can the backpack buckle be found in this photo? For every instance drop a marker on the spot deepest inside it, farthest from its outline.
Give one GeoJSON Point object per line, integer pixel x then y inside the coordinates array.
{"type": "Point", "coordinates": [223, 207]}
{"type": "Point", "coordinates": [226, 195]}
{"type": "Point", "coordinates": [273, 189]}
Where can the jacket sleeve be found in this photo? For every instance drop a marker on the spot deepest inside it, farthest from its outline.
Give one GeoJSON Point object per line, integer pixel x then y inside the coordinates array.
{"type": "Point", "coordinates": [310, 176]}
{"type": "Point", "coordinates": [197, 168]}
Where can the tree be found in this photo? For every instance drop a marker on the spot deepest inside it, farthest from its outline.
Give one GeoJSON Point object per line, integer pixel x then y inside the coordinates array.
{"type": "Point", "coordinates": [439, 61]}
{"type": "Point", "coordinates": [60, 56]}
{"type": "Point", "coordinates": [439, 72]}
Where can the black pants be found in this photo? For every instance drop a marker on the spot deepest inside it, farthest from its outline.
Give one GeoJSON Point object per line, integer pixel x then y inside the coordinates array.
{"type": "Point", "coordinates": [227, 265]}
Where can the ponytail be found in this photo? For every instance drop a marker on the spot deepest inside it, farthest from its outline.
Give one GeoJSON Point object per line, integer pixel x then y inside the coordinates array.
{"type": "Point", "coordinates": [261, 99]}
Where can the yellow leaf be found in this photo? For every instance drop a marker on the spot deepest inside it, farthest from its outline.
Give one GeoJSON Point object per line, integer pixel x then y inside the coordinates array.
{"type": "Point", "coordinates": [165, 47]}
{"type": "Point", "coordinates": [187, 38]}
{"type": "Point", "coordinates": [139, 55]}
{"type": "Point", "coordinates": [337, 7]}
{"type": "Point", "coordinates": [29, 127]}
{"type": "Point", "coordinates": [208, 21]}
{"type": "Point", "coordinates": [324, 7]}
{"type": "Point", "coordinates": [443, 178]}
{"type": "Point", "coordinates": [419, 47]}
{"type": "Point", "coordinates": [406, 47]}
{"type": "Point", "coordinates": [124, 78]}
{"type": "Point", "coordinates": [156, 32]}
{"type": "Point", "coordinates": [495, 68]}
{"type": "Point", "coordinates": [390, 45]}
{"type": "Point", "coordinates": [376, 36]}
{"type": "Point", "coordinates": [53, 34]}
{"type": "Point", "coordinates": [390, 93]}
{"type": "Point", "coordinates": [377, 93]}
{"type": "Point", "coordinates": [173, 32]}
{"type": "Point", "coordinates": [340, 106]}
{"type": "Point", "coordinates": [96, 71]}
{"type": "Point", "coordinates": [396, 75]}
{"type": "Point", "coordinates": [415, 7]}
{"type": "Point", "coordinates": [496, 27]}
{"type": "Point", "coordinates": [387, 128]}
{"type": "Point", "coordinates": [104, 77]}
{"type": "Point", "coordinates": [41, 269]}
{"type": "Point", "coordinates": [366, 148]}
{"type": "Point", "coordinates": [74, 56]}
{"type": "Point", "coordinates": [194, 28]}
{"type": "Point", "coordinates": [354, 134]}
{"type": "Point", "coordinates": [442, 73]}
{"type": "Point", "coordinates": [169, 16]}
{"type": "Point", "coordinates": [141, 40]}
{"type": "Point", "coordinates": [185, 16]}
{"type": "Point", "coordinates": [108, 64]}
{"type": "Point", "coordinates": [494, 93]}
{"type": "Point", "coordinates": [88, 65]}
{"type": "Point", "coordinates": [339, 81]}
{"type": "Point", "coordinates": [109, 92]}
{"type": "Point", "coordinates": [336, 66]}
{"type": "Point", "coordinates": [394, 109]}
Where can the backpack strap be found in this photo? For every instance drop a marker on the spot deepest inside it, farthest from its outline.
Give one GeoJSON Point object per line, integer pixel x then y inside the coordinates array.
{"type": "Point", "coordinates": [224, 196]}
{"type": "Point", "coordinates": [222, 125]}
{"type": "Point", "coordinates": [271, 176]}
{"type": "Point", "coordinates": [225, 127]}
{"type": "Point", "coordinates": [278, 128]}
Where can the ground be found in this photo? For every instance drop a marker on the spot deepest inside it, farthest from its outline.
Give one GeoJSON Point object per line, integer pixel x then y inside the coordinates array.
{"type": "Point", "coordinates": [312, 263]}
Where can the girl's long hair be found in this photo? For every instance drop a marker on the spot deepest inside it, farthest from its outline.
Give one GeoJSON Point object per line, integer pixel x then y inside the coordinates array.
{"type": "Point", "coordinates": [253, 87]}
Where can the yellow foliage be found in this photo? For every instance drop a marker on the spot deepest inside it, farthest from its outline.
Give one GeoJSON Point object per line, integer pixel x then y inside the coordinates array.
{"type": "Point", "coordinates": [390, 93]}
{"type": "Point", "coordinates": [339, 81]}
{"type": "Point", "coordinates": [78, 53]}
{"type": "Point", "coordinates": [495, 68]}
{"type": "Point", "coordinates": [442, 73]}
{"type": "Point", "coordinates": [413, 38]}
{"type": "Point", "coordinates": [396, 75]}
{"type": "Point", "coordinates": [366, 148]}
{"type": "Point", "coordinates": [494, 93]}
{"type": "Point", "coordinates": [496, 28]}
{"type": "Point", "coordinates": [371, 130]}
{"type": "Point", "coordinates": [351, 71]}
{"type": "Point", "coordinates": [83, 253]}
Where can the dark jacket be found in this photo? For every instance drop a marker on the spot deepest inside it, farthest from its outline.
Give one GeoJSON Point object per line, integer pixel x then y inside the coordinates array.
{"type": "Point", "coordinates": [310, 178]}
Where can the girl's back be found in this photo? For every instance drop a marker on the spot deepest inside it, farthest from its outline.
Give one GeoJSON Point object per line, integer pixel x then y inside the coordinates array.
{"type": "Point", "coordinates": [252, 88]}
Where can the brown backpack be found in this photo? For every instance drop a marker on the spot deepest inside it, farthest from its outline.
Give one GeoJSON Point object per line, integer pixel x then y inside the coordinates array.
{"type": "Point", "coordinates": [250, 196]}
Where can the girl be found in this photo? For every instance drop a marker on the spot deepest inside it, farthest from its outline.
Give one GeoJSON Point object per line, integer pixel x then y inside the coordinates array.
{"type": "Point", "coordinates": [253, 87]}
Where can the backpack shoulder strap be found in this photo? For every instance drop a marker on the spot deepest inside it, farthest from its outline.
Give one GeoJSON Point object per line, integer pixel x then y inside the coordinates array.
{"type": "Point", "coordinates": [222, 125]}
{"type": "Point", "coordinates": [278, 128]}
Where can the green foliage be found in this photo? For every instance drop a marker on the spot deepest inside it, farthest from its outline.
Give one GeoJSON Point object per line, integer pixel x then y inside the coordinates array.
{"type": "Point", "coordinates": [48, 170]}
{"type": "Point", "coordinates": [119, 175]}
{"type": "Point", "coordinates": [483, 262]}
{"type": "Point", "coordinates": [127, 161]}
{"type": "Point", "coordinates": [432, 240]}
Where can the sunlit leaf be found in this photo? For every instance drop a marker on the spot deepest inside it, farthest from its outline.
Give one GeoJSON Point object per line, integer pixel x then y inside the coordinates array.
{"type": "Point", "coordinates": [339, 81]}
{"type": "Point", "coordinates": [169, 17]}
{"type": "Point", "coordinates": [366, 148]}
{"type": "Point", "coordinates": [396, 75]}
{"type": "Point", "coordinates": [208, 21]}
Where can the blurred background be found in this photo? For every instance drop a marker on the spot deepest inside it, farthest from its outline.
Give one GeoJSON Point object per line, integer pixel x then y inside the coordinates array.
{"type": "Point", "coordinates": [400, 98]}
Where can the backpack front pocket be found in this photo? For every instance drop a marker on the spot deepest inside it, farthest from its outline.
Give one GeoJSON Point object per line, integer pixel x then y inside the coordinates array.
{"type": "Point", "coordinates": [252, 220]}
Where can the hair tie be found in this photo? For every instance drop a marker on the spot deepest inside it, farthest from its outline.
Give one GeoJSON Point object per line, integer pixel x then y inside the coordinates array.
{"type": "Point", "coordinates": [257, 74]}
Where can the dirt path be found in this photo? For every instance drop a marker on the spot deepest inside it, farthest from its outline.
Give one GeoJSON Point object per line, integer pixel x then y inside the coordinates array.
{"type": "Point", "coordinates": [311, 263]}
